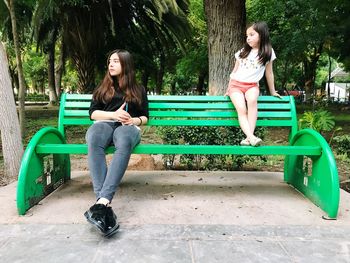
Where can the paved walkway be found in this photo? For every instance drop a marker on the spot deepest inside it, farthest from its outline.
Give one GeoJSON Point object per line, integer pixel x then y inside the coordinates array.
{"type": "Point", "coordinates": [168, 216]}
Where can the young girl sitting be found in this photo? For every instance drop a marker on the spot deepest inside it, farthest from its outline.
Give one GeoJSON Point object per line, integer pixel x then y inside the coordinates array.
{"type": "Point", "coordinates": [252, 61]}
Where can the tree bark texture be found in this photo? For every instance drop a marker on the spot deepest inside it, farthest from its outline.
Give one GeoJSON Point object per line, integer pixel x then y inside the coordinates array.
{"type": "Point", "coordinates": [310, 66]}
{"type": "Point", "coordinates": [160, 74]}
{"type": "Point", "coordinates": [22, 86]}
{"type": "Point", "coordinates": [226, 21]}
{"type": "Point", "coordinates": [84, 37]}
{"type": "Point", "coordinates": [60, 69]}
{"type": "Point", "coordinates": [51, 75]}
{"type": "Point", "coordinates": [12, 147]}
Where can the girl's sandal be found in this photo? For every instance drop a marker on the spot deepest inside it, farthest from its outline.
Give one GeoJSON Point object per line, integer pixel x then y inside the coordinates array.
{"type": "Point", "coordinates": [245, 142]}
{"type": "Point", "coordinates": [255, 141]}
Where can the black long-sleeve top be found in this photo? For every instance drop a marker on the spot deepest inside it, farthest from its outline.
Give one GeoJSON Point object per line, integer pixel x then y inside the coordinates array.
{"type": "Point", "coordinates": [133, 109]}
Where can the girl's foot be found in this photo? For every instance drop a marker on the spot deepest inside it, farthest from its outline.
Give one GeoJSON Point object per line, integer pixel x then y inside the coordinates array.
{"type": "Point", "coordinates": [245, 142]}
{"type": "Point", "coordinates": [255, 141]}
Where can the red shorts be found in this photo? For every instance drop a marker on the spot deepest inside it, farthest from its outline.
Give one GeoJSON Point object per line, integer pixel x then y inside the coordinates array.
{"type": "Point", "coordinates": [238, 86]}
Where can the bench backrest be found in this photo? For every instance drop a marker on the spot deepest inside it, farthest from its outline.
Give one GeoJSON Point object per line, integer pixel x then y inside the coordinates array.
{"type": "Point", "coordinates": [188, 111]}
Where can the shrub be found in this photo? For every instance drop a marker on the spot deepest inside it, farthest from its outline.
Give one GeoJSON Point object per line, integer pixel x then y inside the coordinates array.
{"type": "Point", "coordinates": [342, 143]}
{"type": "Point", "coordinates": [320, 120]}
{"type": "Point", "coordinates": [206, 135]}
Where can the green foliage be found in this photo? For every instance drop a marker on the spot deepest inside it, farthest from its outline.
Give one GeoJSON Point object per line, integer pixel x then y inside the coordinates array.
{"type": "Point", "coordinates": [342, 144]}
{"type": "Point", "coordinates": [206, 136]}
{"type": "Point", "coordinates": [35, 69]}
{"type": "Point", "coordinates": [301, 31]}
{"type": "Point", "coordinates": [37, 97]}
{"type": "Point", "coordinates": [70, 79]}
{"type": "Point", "coordinates": [192, 64]}
{"type": "Point", "coordinates": [320, 120]}
{"type": "Point", "coordinates": [169, 135]}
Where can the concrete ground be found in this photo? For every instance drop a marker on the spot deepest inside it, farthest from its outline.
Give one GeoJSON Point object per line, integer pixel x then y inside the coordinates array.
{"type": "Point", "coordinates": [178, 216]}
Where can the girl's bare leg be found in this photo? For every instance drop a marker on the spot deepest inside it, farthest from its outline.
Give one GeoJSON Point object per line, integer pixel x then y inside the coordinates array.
{"type": "Point", "coordinates": [251, 97]}
{"type": "Point", "coordinates": [239, 102]}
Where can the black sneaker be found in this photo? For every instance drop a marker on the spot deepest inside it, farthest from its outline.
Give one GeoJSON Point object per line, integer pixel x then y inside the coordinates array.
{"type": "Point", "coordinates": [111, 223]}
{"type": "Point", "coordinates": [96, 215]}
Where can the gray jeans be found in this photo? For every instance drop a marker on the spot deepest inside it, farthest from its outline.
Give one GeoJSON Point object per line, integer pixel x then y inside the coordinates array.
{"type": "Point", "coordinates": [99, 136]}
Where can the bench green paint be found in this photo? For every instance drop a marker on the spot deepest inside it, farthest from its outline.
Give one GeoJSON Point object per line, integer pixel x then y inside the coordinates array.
{"type": "Point", "coordinates": [309, 162]}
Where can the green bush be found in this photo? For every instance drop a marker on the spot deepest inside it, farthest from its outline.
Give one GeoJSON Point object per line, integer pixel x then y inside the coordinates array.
{"type": "Point", "coordinates": [35, 97]}
{"type": "Point", "coordinates": [320, 120]}
{"type": "Point", "coordinates": [206, 135]}
{"type": "Point", "coordinates": [342, 144]}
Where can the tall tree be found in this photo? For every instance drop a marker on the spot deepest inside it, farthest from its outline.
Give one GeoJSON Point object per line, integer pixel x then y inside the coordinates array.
{"type": "Point", "coordinates": [12, 147]}
{"type": "Point", "coordinates": [22, 88]}
{"type": "Point", "coordinates": [46, 29]}
{"type": "Point", "coordinates": [193, 66]}
{"type": "Point", "coordinates": [90, 28]}
{"type": "Point", "coordinates": [299, 40]}
{"type": "Point", "coordinates": [226, 20]}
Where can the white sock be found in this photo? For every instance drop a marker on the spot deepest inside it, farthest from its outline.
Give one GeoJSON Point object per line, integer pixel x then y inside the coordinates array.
{"type": "Point", "coordinates": [103, 201]}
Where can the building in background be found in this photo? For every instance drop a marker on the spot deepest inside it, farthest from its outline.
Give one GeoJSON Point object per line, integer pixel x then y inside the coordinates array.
{"type": "Point", "coordinates": [339, 91]}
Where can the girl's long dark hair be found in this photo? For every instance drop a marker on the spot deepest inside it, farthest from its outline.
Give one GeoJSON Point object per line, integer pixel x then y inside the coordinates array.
{"type": "Point", "coordinates": [265, 48]}
{"type": "Point", "coordinates": [126, 81]}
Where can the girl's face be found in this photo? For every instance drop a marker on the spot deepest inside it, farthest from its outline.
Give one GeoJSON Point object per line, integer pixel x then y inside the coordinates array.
{"type": "Point", "coordinates": [253, 38]}
{"type": "Point", "coordinates": [114, 66]}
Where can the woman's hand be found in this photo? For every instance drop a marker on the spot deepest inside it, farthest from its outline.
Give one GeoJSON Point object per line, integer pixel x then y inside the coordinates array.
{"type": "Point", "coordinates": [121, 115]}
{"type": "Point", "coordinates": [129, 121]}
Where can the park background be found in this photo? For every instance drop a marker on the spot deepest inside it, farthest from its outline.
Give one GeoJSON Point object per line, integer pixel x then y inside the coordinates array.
{"type": "Point", "coordinates": [180, 47]}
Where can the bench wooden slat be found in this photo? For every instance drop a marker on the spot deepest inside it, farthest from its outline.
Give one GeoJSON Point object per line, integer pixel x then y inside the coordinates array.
{"type": "Point", "coordinates": [188, 149]}
{"type": "Point", "coordinates": [206, 106]}
{"type": "Point", "coordinates": [216, 114]}
{"type": "Point", "coordinates": [212, 122]}
{"type": "Point", "coordinates": [88, 97]}
{"type": "Point", "coordinates": [179, 98]}
{"type": "Point", "coordinates": [76, 113]}
{"type": "Point", "coordinates": [187, 105]}
{"type": "Point", "coordinates": [77, 121]}
{"type": "Point", "coordinates": [193, 114]}
{"type": "Point", "coordinates": [78, 96]}
{"type": "Point", "coordinates": [186, 122]}
{"type": "Point", "coordinates": [78, 104]}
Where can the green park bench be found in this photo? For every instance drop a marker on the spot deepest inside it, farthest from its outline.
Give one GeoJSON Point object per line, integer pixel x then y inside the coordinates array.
{"type": "Point", "coordinates": [309, 162]}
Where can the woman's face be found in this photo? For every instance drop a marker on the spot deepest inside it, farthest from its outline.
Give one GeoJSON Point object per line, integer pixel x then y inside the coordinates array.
{"type": "Point", "coordinates": [114, 66]}
{"type": "Point", "coordinates": [253, 38]}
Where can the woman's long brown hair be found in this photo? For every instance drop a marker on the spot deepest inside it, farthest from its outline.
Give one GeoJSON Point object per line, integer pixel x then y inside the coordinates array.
{"type": "Point", "coordinates": [126, 81]}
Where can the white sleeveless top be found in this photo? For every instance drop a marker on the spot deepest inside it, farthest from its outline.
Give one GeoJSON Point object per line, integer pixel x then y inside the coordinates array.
{"type": "Point", "coordinates": [250, 70]}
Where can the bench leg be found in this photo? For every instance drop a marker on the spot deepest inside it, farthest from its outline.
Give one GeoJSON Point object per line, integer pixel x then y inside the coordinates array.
{"type": "Point", "coordinates": [41, 174]}
{"type": "Point", "coordinates": [314, 176]}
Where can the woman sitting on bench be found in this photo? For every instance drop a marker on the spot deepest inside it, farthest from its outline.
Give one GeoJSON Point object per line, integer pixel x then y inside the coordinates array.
{"type": "Point", "coordinates": [119, 105]}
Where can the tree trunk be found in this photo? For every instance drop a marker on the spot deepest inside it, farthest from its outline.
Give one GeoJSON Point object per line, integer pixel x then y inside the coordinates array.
{"type": "Point", "coordinates": [85, 66]}
{"type": "Point", "coordinates": [173, 87]}
{"type": "Point", "coordinates": [310, 65]}
{"type": "Point", "coordinates": [51, 74]}
{"type": "Point", "coordinates": [21, 88]}
{"type": "Point", "coordinates": [12, 147]}
{"type": "Point", "coordinates": [200, 84]}
{"type": "Point", "coordinates": [84, 37]}
{"type": "Point", "coordinates": [329, 77]}
{"type": "Point", "coordinates": [226, 21]}
{"type": "Point", "coordinates": [60, 69]}
{"type": "Point", "coordinates": [144, 79]}
{"type": "Point", "coordinates": [160, 74]}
